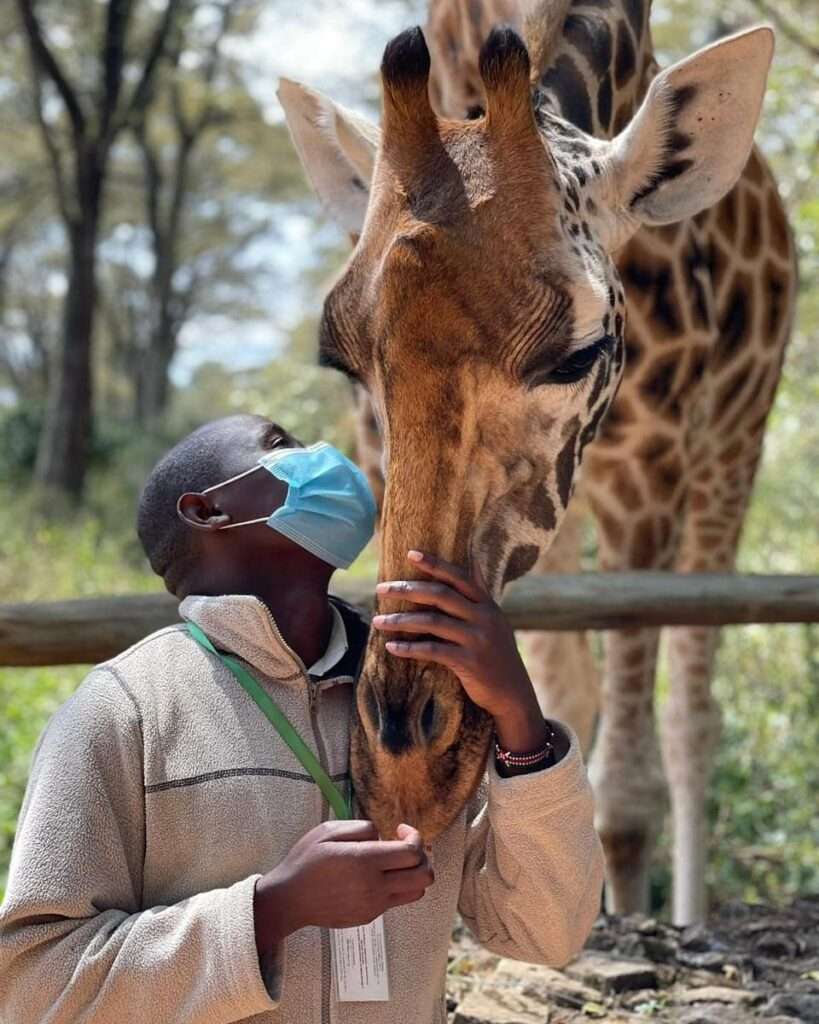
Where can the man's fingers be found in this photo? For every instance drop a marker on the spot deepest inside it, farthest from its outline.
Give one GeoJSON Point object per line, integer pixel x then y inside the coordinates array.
{"type": "Point", "coordinates": [433, 623]}
{"type": "Point", "coordinates": [391, 855]}
{"type": "Point", "coordinates": [409, 880]}
{"type": "Point", "coordinates": [353, 831]}
{"type": "Point", "coordinates": [437, 595]}
{"type": "Point", "coordinates": [448, 655]}
{"type": "Point", "coordinates": [409, 835]}
{"type": "Point", "coordinates": [448, 572]}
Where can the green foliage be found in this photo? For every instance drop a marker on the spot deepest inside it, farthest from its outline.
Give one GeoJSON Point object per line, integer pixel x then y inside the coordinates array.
{"type": "Point", "coordinates": [45, 558]}
{"type": "Point", "coordinates": [19, 433]}
{"type": "Point", "coordinates": [311, 402]}
{"type": "Point", "coordinates": [763, 805]}
{"type": "Point", "coordinates": [762, 809]}
{"type": "Point", "coordinates": [28, 698]}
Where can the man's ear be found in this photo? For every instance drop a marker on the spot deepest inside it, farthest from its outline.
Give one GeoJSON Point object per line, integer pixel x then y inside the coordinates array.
{"type": "Point", "coordinates": [198, 511]}
{"type": "Point", "coordinates": [337, 149]}
{"type": "Point", "coordinates": [691, 138]}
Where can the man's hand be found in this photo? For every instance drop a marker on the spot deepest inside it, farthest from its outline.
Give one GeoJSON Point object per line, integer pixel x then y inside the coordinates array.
{"type": "Point", "coordinates": [338, 875]}
{"type": "Point", "coordinates": [474, 641]}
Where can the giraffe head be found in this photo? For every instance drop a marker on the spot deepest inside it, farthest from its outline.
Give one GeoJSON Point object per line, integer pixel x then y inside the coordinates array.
{"type": "Point", "coordinates": [482, 311]}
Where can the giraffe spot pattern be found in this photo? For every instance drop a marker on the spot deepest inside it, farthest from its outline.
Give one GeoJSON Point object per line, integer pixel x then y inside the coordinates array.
{"type": "Point", "coordinates": [728, 216]}
{"type": "Point", "coordinates": [734, 324]}
{"type": "Point", "coordinates": [591, 36]}
{"type": "Point", "coordinates": [780, 233]}
{"type": "Point", "coordinates": [624, 62]}
{"type": "Point", "coordinates": [657, 383]}
{"type": "Point", "coordinates": [521, 560]}
{"type": "Point", "coordinates": [635, 13]}
{"type": "Point", "coordinates": [565, 81]}
{"type": "Point", "coordinates": [565, 464]}
{"type": "Point", "coordinates": [753, 216]}
{"type": "Point", "coordinates": [604, 103]}
{"type": "Point", "coordinates": [775, 289]}
{"type": "Point", "coordinates": [696, 267]}
{"type": "Point", "coordinates": [541, 510]}
{"type": "Point", "coordinates": [730, 390]}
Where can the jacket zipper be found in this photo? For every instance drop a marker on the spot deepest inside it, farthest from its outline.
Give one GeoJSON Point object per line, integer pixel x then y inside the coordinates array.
{"type": "Point", "coordinates": [299, 663]}
{"type": "Point", "coordinates": [312, 695]}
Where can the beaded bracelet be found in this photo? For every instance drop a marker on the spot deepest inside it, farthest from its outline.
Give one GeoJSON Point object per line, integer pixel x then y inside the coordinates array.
{"type": "Point", "coordinates": [512, 760]}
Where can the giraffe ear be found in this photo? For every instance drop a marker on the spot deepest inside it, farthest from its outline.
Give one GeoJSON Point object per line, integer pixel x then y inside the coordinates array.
{"type": "Point", "coordinates": [337, 149]}
{"type": "Point", "coordinates": [689, 141]}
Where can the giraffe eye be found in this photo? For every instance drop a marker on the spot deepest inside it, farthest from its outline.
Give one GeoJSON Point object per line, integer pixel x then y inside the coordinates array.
{"type": "Point", "coordinates": [571, 369]}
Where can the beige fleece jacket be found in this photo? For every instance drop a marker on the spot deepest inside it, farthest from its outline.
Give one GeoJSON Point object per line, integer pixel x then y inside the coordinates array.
{"type": "Point", "coordinates": [158, 795]}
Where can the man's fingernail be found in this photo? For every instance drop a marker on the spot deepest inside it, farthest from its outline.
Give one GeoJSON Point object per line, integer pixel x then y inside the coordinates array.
{"type": "Point", "coordinates": [415, 556]}
{"type": "Point", "coordinates": [379, 620]}
{"type": "Point", "coordinates": [382, 588]}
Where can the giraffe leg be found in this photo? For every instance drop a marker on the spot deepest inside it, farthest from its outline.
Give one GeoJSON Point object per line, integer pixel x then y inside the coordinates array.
{"type": "Point", "coordinates": [626, 768]}
{"type": "Point", "coordinates": [690, 727]}
{"type": "Point", "coordinates": [561, 665]}
{"type": "Point", "coordinates": [691, 717]}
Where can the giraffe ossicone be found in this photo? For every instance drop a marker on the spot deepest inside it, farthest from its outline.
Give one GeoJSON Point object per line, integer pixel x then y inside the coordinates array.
{"type": "Point", "coordinates": [482, 311]}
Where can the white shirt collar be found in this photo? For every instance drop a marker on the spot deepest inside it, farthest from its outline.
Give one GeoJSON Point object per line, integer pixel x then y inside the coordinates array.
{"type": "Point", "coordinates": [336, 647]}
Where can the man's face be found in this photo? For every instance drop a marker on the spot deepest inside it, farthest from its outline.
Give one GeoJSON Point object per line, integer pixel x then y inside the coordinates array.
{"type": "Point", "coordinates": [255, 495]}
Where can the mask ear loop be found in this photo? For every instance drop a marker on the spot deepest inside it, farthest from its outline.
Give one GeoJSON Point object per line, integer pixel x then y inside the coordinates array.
{"type": "Point", "coordinates": [232, 479]}
{"type": "Point", "coordinates": [224, 483]}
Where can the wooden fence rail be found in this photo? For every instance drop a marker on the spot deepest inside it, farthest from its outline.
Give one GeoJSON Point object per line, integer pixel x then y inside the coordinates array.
{"type": "Point", "coordinates": [91, 630]}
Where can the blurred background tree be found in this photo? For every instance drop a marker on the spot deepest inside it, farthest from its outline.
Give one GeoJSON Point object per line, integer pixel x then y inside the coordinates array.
{"type": "Point", "coordinates": [206, 257]}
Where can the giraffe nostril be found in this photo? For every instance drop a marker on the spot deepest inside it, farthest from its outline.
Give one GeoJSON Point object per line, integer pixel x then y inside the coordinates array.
{"type": "Point", "coordinates": [428, 719]}
{"type": "Point", "coordinates": [373, 708]}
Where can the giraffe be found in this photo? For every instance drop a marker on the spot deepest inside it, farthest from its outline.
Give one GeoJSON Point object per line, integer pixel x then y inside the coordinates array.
{"type": "Point", "coordinates": [447, 341]}
{"type": "Point", "coordinates": [670, 476]}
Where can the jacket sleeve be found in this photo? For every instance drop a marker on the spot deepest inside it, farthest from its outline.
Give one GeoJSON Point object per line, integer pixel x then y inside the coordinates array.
{"type": "Point", "coordinates": [76, 943]}
{"type": "Point", "coordinates": [533, 869]}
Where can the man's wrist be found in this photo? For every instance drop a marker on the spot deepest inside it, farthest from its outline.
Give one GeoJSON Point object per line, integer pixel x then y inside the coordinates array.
{"type": "Point", "coordinates": [522, 729]}
{"type": "Point", "coordinates": [272, 917]}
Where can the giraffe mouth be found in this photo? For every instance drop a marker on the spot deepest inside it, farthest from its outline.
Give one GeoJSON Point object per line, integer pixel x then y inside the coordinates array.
{"type": "Point", "coordinates": [420, 776]}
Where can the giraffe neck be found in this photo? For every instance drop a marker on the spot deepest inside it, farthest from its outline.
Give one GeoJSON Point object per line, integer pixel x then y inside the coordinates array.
{"type": "Point", "coordinates": [600, 65]}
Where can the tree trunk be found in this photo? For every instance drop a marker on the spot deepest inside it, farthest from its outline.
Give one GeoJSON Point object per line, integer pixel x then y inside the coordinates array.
{"type": "Point", "coordinates": [62, 456]}
{"type": "Point", "coordinates": [153, 386]}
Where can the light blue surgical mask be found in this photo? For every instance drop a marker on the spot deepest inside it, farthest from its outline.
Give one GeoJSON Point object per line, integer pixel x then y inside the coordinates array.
{"type": "Point", "coordinates": [329, 509]}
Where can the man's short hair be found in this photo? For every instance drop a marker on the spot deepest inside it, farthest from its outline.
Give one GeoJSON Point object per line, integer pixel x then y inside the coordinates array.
{"type": "Point", "coordinates": [214, 452]}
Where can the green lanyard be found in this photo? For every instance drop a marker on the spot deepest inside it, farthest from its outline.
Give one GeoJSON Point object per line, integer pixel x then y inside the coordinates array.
{"type": "Point", "coordinates": [281, 723]}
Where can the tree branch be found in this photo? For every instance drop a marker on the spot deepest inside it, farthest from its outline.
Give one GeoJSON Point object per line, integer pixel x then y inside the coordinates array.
{"type": "Point", "coordinates": [787, 27]}
{"type": "Point", "coordinates": [215, 48]}
{"type": "Point", "coordinates": [142, 92]}
{"type": "Point", "coordinates": [6, 252]}
{"type": "Point", "coordinates": [42, 58]}
{"type": "Point", "coordinates": [113, 55]}
{"type": "Point", "coordinates": [53, 150]}
{"type": "Point", "coordinates": [209, 114]}
{"type": "Point", "coordinates": [153, 178]}
{"type": "Point", "coordinates": [184, 130]}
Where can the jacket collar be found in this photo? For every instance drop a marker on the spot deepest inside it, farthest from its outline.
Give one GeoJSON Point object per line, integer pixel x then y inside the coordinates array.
{"type": "Point", "coordinates": [243, 625]}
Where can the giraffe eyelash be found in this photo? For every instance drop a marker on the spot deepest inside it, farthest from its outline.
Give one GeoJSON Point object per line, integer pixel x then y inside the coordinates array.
{"type": "Point", "coordinates": [573, 369]}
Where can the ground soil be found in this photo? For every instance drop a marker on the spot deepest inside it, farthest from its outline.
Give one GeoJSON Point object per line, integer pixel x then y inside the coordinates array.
{"type": "Point", "coordinates": [748, 963]}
